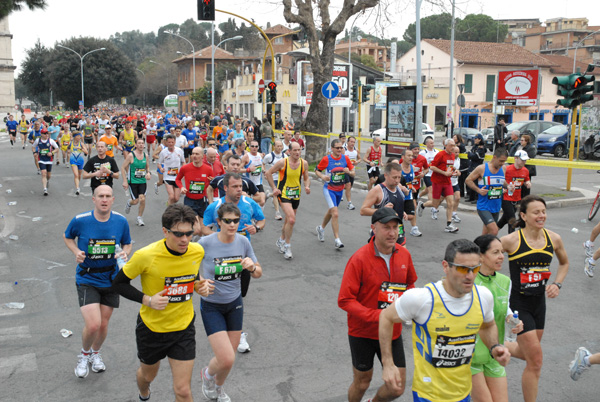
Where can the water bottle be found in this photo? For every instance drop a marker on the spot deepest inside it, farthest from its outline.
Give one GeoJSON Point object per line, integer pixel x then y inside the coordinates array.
{"type": "Point", "coordinates": [510, 325]}
{"type": "Point", "coordinates": [511, 189]}
{"type": "Point", "coordinates": [120, 261]}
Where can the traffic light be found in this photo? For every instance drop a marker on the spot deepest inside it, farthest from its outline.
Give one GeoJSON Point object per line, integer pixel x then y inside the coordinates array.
{"type": "Point", "coordinates": [366, 92]}
{"type": "Point", "coordinates": [206, 10]}
{"type": "Point", "coordinates": [209, 96]}
{"type": "Point", "coordinates": [581, 85]}
{"type": "Point", "coordinates": [354, 93]}
{"type": "Point", "coordinates": [567, 89]}
{"type": "Point", "coordinates": [260, 97]}
{"type": "Point", "coordinates": [273, 96]}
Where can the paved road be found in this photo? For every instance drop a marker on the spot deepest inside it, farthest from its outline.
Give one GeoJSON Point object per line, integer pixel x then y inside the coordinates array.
{"type": "Point", "coordinates": [296, 331]}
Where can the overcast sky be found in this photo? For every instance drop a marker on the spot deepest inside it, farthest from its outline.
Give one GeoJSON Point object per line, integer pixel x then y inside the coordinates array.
{"type": "Point", "coordinates": [63, 19]}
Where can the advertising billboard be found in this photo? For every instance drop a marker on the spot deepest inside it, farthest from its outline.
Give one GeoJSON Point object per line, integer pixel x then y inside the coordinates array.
{"type": "Point", "coordinates": [400, 117]}
{"type": "Point", "coordinates": [170, 102]}
{"type": "Point", "coordinates": [380, 98]}
{"type": "Point", "coordinates": [518, 88]}
{"type": "Point", "coordinates": [341, 75]}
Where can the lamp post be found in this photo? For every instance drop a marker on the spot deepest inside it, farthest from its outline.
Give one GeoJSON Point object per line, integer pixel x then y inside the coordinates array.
{"type": "Point", "coordinates": [81, 61]}
{"type": "Point", "coordinates": [163, 66]}
{"type": "Point", "coordinates": [212, 69]}
{"type": "Point", "coordinates": [579, 44]}
{"type": "Point", "coordinates": [144, 75]}
{"type": "Point", "coordinates": [193, 57]}
{"type": "Point", "coordinates": [349, 62]}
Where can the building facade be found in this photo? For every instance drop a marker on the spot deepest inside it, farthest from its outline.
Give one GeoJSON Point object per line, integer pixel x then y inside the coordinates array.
{"type": "Point", "coordinates": [7, 69]}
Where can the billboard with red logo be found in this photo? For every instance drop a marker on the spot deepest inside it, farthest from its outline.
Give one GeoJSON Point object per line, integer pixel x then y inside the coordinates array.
{"type": "Point", "coordinates": [518, 88]}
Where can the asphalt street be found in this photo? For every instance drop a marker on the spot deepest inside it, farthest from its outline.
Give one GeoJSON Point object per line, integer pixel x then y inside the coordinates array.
{"type": "Point", "coordinates": [297, 333]}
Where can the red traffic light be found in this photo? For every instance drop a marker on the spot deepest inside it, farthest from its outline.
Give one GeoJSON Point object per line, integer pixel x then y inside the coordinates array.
{"type": "Point", "coordinates": [272, 85]}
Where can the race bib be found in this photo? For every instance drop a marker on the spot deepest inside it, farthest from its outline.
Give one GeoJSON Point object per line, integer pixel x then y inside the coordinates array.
{"type": "Point", "coordinates": [401, 230]}
{"type": "Point", "coordinates": [375, 162]}
{"type": "Point", "coordinates": [534, 278]}
{"type": "Point", "coordinates": [129, 143]}
{"type": "Point", "coordinates": [389, 292]}
{"type": "Point", "coordinates": [109, 147]}
{"type": "Point", "coordinates": [338, 177]}
{"type": "Point", "coordinates": [44, 152]}
{"type": "Point", "coordinates": [228, 268]}
{"type": "Point", "coordinates": [196, 187]}
{"type": "Point", "coordinates": [179, 288]}
{"type": "Point", "coordinates": [173, 171]}
{"type": "Point", "coordinates": [518, 182]}
{"type": "Point", "coordinates": [292, 193]}
{"type": "Point", "coordinates": [452, 352]}
{"type": "Point", "coordinates": [494, 193]}
{"type": "Point", "coordinates": [257, 172]}
{"type": "Point", "coordinates": [101, 249]}
{"type": "Point", "coordinates": [139, 173]}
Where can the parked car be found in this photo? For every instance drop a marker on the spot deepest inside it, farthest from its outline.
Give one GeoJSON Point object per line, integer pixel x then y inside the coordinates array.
{"type": "Point", "coordinates": [488, 137]}
{"type": "Point", "coordinates": [425, 128]}
{"type": "Point", "coordinates": [467, 133]}
{"type": "Point", "coordinates": [531, 127]}
{"type": "Point", "coordinates": [555, 140]}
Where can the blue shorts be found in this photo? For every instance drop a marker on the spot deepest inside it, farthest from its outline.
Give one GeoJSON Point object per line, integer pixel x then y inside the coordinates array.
{"type": "Point", "coordinates": [158, 169]}
{"type": "Point", "coordinates": [77, 161]}
{"type": "Point", "coordinates": [333, 198]}
{"type": "Point", "coordinates": [222, 317]}
{"type": "Point", "coordinates": [44, 166]}
{"type": "Point", "coordinates": [199, 206]}
{"type": "Point", "coordinates": [427, 181]}
{"type": "Point", "coordinates": [417, 398]}
{"type": "Point", "coordinates": [128, 149]}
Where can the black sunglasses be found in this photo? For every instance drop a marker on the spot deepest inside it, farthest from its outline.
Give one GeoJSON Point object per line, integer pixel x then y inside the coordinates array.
{"type": "Point", "coordinates": [180, 234]}
{"type": "Point", "coordinates": [228, 221]}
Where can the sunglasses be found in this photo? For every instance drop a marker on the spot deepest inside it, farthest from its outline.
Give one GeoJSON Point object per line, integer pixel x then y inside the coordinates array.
{"type": "Point", "coordinates": [338, 147]}
{"type": "Point", "coordinates": [253, 146]}
{"type": "Point", "coordinates": [180, 234]}
{"type": "Point", "coordinates": [228, 221]}
{"type": "Point", "coordinates": [463, 269]}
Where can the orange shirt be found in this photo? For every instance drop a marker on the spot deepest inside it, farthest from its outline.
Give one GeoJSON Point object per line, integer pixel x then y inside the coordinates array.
{"type": "Point", "coordinates": [111, 144]}
{"type": "Point", "coordinates": [217, 130]}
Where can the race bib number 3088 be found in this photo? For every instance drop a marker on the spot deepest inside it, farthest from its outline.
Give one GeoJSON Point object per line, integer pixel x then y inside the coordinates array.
{"type": "Point", "coordinates": [180, 288]}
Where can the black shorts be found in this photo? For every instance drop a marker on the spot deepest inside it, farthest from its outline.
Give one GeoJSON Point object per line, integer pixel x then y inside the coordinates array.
{"type": "Point", "coordinates": [373, 173]}
{"type": "Point", "coordinates": [171, 183]}
{"type": "Point", "coordinates": [261, 188]}
{"type": "Point", "coordinates": [137, 189]}
{"type": "Point", "coordinates": [532, 311]}
{"type": "Point", "coordinates": [199, 206]}
{"type": "Point", "coordinates": [349, 179]}
{"type": "Point", "coordinates": [155, 346]}
{"type": "Point", "coordinates": [43, 166]}
{"type": "Point", "coordinates": [295, 203]}
{"type": "Point", "coordinates": [12, 133]}
{"type": "Point", "coordinates": [88, 140]}
{"type": "Point", "coordinates": [363, 350]}
{"type": "Point", "coordinates": [88, 294]}
{"type": "Point", "coordinates": [427, 181]}
{"type": "Point", "coordinates": [409, 207]}
{"type": "Point", "coordinates": [187, 152]}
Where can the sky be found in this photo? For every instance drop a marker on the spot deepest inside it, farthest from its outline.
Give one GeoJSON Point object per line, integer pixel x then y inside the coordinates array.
{"type": "Point", "coordinates": [63, 19]}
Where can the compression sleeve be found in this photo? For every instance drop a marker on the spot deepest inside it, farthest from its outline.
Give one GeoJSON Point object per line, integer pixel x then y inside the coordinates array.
{"type": "Point", "coordinates": [122, 285]}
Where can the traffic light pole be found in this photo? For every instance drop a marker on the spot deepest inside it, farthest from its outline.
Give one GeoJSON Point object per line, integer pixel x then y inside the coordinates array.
{"type": "Point", "coordinates": [571, 150]}
{"type": "Point", "coordinates": [358, 118]}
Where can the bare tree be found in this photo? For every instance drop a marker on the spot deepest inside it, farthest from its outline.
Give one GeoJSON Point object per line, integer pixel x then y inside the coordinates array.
{"type": "Point", "coordinates": [321, 59]}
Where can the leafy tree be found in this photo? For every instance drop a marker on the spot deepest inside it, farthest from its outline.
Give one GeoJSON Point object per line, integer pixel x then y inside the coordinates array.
{"type": "Point", "coordinates": [480, 28]}
{"type": "Point", "coordinates": [369, 61]}
{"type": "Point", "coordinates": [107, 74]}
{"type": "Point", "coordinates": [35, 72]}
{"type": "Point", "coordinates": [9, 6]}
{"type": "Point", "coordinates": [433, 27]}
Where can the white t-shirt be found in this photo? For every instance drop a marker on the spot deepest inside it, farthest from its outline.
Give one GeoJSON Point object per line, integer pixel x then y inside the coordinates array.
{"type": "Point", "coordinates": [181, 141]}
{"type": "Point", "coordinates": [272, 158]}
{"type": "Point", "coordinates": [172, 162]}
{"type": "Point", "coordinates": [415, 304]}
{"type": "Point", "coordinates": [454, 179]}
{"type": "Point", "coordinates": [429, 155]}
{"type": "Point", "coordinates": [101, 124]}
{"type": "Point", "coordinates": [352, 155]}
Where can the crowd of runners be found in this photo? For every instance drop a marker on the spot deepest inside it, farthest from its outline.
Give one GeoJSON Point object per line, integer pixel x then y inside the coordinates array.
{"type": "Point", "coordinates": [219, 164]}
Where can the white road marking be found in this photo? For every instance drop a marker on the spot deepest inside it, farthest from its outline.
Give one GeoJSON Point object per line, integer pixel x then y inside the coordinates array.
{"type": "Point", "coordinates": [18, 364]}
{"type": "Point", "coordinates": [9, 334]}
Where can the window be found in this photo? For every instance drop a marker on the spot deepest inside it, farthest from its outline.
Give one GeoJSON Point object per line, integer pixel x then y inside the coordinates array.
{"type": "Point", "coordinates": [278, 41]}
{"type": "Point", "coordinates": [208, 70]}
{"type": "Point", "coordinates": [490, 86]}
{"type": "Point", "coordinates": [468, 83]}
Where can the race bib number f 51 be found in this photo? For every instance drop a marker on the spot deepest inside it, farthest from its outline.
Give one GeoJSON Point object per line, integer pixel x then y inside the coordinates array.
{"type": "Point", "coordinates": [179, 288]}
{"type": "Point", "coordinates": [389, 292]}
{"type": "Point", "coordinates": [228, 269]}
{"type": "Point", "coordinates": [101, 249]}
{"type": "Point", "coordinates": [534, 277]}
{"type": "Point", "coordinates": [453, 352]}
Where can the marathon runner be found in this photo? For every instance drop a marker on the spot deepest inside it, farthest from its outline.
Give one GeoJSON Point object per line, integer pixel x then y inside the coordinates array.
{"type": "Point", "coordinates": [373, 160]}
{"type": "Point", "coordinates": [11, 126]}
{"type": "Point", "coordinates": [170, 161]}
{"type": "Point", "coordinates": [23, 129]}
{"type": "Point", "coordinates": [197, 176]}
{"type": "Point", "coordinates": [101, 169]}
{"type": "Point", "coordinates": [352, 153]}
{"type": "Point", "coordinates": [77, 151]}
{"type": "Point", "coordinates": [127, 139]}
{"type": "Point", "coordinates": [63, 142]}
{"type": "Point", "coordinates": [429, 154]}
{"type": "Point", "coordinates": [254, 171]}
{"type": "Point", "coordinates": [518, 175]}
{"type": "Point", "coordinates": [45, 149]}
{"type": "Point", "coordinates": [271, 159]}
{"type": "Point", "coordinates": [136, 173]}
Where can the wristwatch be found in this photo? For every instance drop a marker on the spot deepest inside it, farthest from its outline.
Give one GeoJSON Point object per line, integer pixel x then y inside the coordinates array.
{"type": "Point", "coordinates": [558, 284]}
{"type": "Point", "coordinates": [257, 228]}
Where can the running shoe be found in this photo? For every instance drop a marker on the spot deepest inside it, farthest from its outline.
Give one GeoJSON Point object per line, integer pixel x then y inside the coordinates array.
{"type": "Point", "coordinates": [278, 216]}
{"type": "Point", "coordinates": [415, 232]}
{"type": "Point", "coordinates": [97, 363]}
{"type": "Point", "coordinates": [243, 347]}
{"type": "Point", "coordinates": [578, 366]}
{"type": "Point", "coordinates": [209, 387]}
{"type": "Point", "coordinates": [451, 229]}
{"type": "Point", "coordinates": [82, 369]}
{"type": "Point", "coordinates": [351, 206]}
{"type": "Point", "coordinates": [45, 191]}
{"type": "Point", "coordinates": [420, 208]}
{"type": "Point", "coordinates": [288, 252]}
{"type": "Point", "coordinates": [68, 165]}
{"type": "Point", "coordinates": [280, 245]}
{"type": "Point", "coordinates": [140, 221]}
{"type": "Point", "coordinates": [222, 396]}
{"type": "Point", "coordinates": [147, 398]}
{"type": "Point", "coordinates": [589, 248]}
{"type": "Point", "coordinates": [456, 219]}
{"type": "Point", "coordinates": [320, 233]}
{"type": "Point", "coordinates": [338, 243]}
{"type": "Point", "coordinates": [156, 188]}
{"type": "Point", "coordinates": [57, 163]}
{"type": "Point", "coordinates": [589, 267]}
{"type": "Point", "coordinates": [77, 191]}
{"type": "Point", "coordinates": [434, 214]}
{"type": "Point", "coordinates": [269, 195]}
{"type": "Point", "coordinates": [39, 172]}
{"type": "Point", "coordinates": [127, 207]}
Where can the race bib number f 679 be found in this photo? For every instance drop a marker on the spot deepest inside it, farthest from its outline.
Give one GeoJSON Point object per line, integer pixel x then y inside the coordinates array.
{"type": "Point", "coordinates": [228, 268]}
{"type": "Point", "coordinates": [453, 352]}
{"type": "Point", "coordinates": [179, 288]}
{"type": "Point", "coordinates": [389, 292]}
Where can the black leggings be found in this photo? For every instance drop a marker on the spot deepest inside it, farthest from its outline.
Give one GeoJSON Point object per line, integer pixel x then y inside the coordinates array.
{"type": "Point", "coordinates": [508, 213]}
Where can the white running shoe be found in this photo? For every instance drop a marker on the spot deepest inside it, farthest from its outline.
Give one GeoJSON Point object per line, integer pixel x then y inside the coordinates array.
{"type": "Point", "coordinates": [278, 216]}
{"type": "Point", "coordinates": [209, 387]}
{"type": "Point", "coordinates": [77, 191]}
{"type": "Point", "coordinates": [338, 243]}
{"type": "Point", "coordinates": [415, 232]}
{"type": "Point", "coordinates": [82, 369]}
{"type": "Point", "coordinates": [320, 233]}
{"type": "Point", "coordinates": [97, 363]}
{"type": "Point", "coordinates": [45, 191]}
{"type": "Point", "coordinates": [589, 248]}
{"type": "Point", "coordinates": [434, 214]}
{"type": "Point", "coordinates": [243, 347]}
{"type": "Point", "coordinates": [456, 219]}
{"type": "Point", "coordinates": [127, 207]}
{"type": "Point", "coordinates": [578, 366]}
{"type": "Point", "coordinates": [420, 209]}
{"type": "Point", "coordinates": [351, 206]}
{"type": "Point", "coordinates": [589, 267]}
{"type": "Point", "coordinates": [280, 245]}
{"type": "Point", "coordinates": [451, 228]}
{"type": "Point", "coordinates": [140, 221]}
{"type": "Point", "coordinates": [269, 195]}
{"type": "Point", "coordinates": [288, 252]}
{"type": "Point", "coordinates": [222, 396]}
{"type": "Point", "coordinates": [156, 188]}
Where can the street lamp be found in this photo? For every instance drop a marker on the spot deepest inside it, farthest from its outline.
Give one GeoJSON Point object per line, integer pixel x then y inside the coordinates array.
{"type": "Point", "coordinates": [193, 56]}
{"type": "Point", "coordinates": [144, 75]}
{"type": "Point", "coordinates": [212, 70]}
{"type": "Point", "coordinates": [165, 67]}
{"type": "Point", "coordinates": [579, 44]}
{"type": "Point", "coordinates": [81, 60]}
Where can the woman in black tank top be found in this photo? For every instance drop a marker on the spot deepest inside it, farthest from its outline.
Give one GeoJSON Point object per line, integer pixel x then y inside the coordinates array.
{"type": "Point", "coordinates": [530, 251]}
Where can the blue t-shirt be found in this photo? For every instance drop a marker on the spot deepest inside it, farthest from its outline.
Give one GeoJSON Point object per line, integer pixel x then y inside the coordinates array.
{"type": "Point", "coordinates": [191, 136]}
{"type": "Point", "coordinates": [54, 131]}
{"type": "Point", "coordinates": [160, 128]}
{"type": "Point", "coordinates": [12, 125]}
{"type": "Point", "coordinates": [248, 207]}
{"type": "Point", "coordinates": [34, 134]}
{"type": "Point", "coordinates": [98, 240]}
